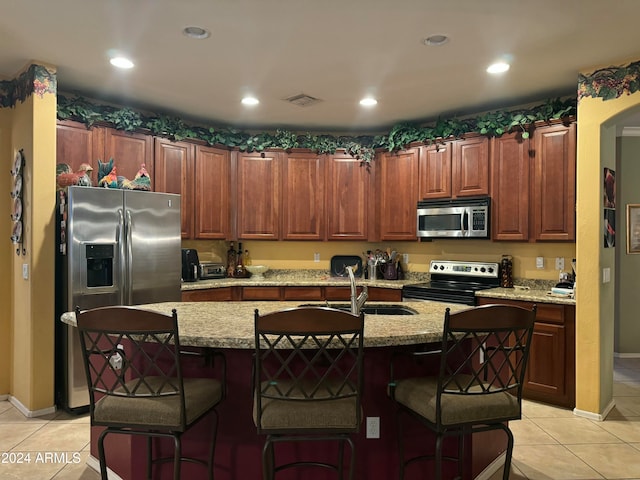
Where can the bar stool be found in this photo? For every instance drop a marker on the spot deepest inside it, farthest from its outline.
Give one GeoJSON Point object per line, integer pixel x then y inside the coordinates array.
{"type": "Point", "coordinates": [132, 362]}
{"type": "Point", "coordinates": [308, 380]}
{"type": "Point", "coordinates": [483, 360]}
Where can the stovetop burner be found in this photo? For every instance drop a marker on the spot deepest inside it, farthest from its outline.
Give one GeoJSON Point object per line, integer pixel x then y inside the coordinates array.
{"type": "Point", "coordinates": [455, 281]}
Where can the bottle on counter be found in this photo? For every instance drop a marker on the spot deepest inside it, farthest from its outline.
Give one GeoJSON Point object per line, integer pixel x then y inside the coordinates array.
{"type": "Point", "coordinates": [506, 275]}
{"type": "Point", "coordinates": [231, 260]}
{"type": "Point", "coordinates": [240, 270]}
{"type": "Point", "coordinates": [247, 258]}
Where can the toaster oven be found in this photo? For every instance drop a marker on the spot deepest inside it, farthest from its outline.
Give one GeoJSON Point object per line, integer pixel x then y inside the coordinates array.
{"type": "Point", "coordinates": [210, 270]}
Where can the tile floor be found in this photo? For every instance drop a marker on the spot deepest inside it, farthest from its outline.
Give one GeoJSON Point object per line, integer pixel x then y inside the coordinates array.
{"type": "Point", "coordinates": [550, 443]}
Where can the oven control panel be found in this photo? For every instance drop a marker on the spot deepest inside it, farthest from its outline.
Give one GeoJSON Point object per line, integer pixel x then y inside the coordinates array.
{"type": "Point", "coordinates": [464, 269]}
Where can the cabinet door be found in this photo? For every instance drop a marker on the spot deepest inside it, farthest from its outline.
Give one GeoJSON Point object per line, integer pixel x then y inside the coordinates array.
{"type": "Point", "coordinates": [397, 195]}
{"type": "Point", "coordinates": [470, 167]}
{"type": "Point", "coordinates": [545, 375]}
{"type": "Point", "coordinates": [554, 183]}
{"type": "Point", "coordinates": [258, 200]}
{"type": "Point", "coordinates": [435, 171]}
{"type": "Point", "coordinates": [211, 199]}
{"type": "Point", "coordinates": [510, 188]}
{"type": "Point", "coordinates": [129, 151]}
{"type": "Point", "coordinates": [303, 197]}
{"type": "Point", "coordinates": [75, 145]}
{"type": "Point", "coordinates": [347, 198]}
{"type": "Point", "coordinates": [174, 174]}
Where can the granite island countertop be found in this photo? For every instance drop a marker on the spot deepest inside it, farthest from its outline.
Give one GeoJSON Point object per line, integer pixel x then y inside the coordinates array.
{"type": "Point", "coordinates": [526, 295]}
{"type": "Point", "coordinates": [231, 324]}
{"type": "Point", "coordinates": [301, 278]}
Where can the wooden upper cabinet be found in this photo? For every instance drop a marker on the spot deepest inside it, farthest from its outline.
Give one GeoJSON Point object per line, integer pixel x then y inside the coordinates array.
{"type": "Point", "coordinates": [397, 194]}
{"type": "Point", "coordinates": [347, 198]}
{"type": "Point", "coordinates": [129, 151]}
{"type": "Point", "coordinates": [510, 166]}
{"type": "Point", "coordinates": [470, 167]}
{"type": "Point", "coordinates": [435, 171]}
{"type": "Point", "coordinates": [303, 205]}
{"type": "Point", "coordinates": [258, 196]}
{"type": "Point", "coordinates": [173, 167]}
{"type": "Point", "coordinates": [212, 174]}
{"type": "Point", "coordinates": [76, 144]}
{"type": "Point", "coordinates": [554, 182]}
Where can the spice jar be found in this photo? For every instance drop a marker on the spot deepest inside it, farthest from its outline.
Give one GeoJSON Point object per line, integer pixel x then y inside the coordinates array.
{"type": "Point", "coordinates": [506, 278]}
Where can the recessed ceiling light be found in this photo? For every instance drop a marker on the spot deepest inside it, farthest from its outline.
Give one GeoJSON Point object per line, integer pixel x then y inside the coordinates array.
{"type": "Point", "coordinates": [498, 67]}
{"type": "Point", "coordinates": [196, 32]}
{"type": "Point", "coordinates": [250, 101]}
{"type": "Point", "coordinates": [368, 102]}
{"type": "Point", "coordinates": [435, 40]}
{"type": "Point", "coordinates": [121, 62]}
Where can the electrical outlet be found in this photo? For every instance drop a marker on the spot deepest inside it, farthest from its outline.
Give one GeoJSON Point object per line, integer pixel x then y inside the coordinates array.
{"type": "Point", "coordinates": [559, 263]}
{"type": "Point", "coordinates": [316, 257]}
{"type": "Point", "coordinates": [373, 427]}
{"type": "Point", "coordinates": [539, 262]}
{"type": "Point", "coordinates": [405, 258]}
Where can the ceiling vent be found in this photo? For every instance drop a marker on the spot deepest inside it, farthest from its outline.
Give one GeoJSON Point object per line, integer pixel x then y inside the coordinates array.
{"type": "Point", "coordinates": [303, 100]}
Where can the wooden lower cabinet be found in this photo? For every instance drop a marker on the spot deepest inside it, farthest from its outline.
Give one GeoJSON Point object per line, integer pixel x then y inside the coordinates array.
{"type": "Point", "coordinates": [303, 293]}
{"type": "Point", "coordinates": [310, 293]}
{"type": "Point", "coordinates": [224, 294]}
{"type": "Point", "coordinates": [551, 371]}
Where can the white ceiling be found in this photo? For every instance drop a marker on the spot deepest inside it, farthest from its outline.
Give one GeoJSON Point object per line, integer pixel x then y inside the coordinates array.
{"type": "Point", "coordinates": [335, 50]}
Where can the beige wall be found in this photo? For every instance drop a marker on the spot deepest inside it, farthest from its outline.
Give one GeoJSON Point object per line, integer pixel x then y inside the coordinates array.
{"type": "Point", "coordinates": [595, 307]}
{"type": "Point", "coordinates": [627, 326]}
{"type": "Point", "coordinates": [6, 161]}
{"type": "Point", "coordinates": [31, 382]}
{"type": "Point", "coordinates": [299, 255]}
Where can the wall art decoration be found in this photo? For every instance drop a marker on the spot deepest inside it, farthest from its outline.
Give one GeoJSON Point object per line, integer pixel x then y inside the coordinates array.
{"type": "Point", "coordinates": [633, 228]}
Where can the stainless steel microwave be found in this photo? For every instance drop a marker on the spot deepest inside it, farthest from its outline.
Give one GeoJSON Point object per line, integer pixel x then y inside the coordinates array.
{"type": "Point", "coordinates": [457, 218]}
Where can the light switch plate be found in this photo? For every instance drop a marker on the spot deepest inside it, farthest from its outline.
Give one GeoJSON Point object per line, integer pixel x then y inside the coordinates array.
{"type": "Point", "coordinates": [606, 275]}
{"type": "Point", "coordinates": [539, 262]}
{"type": "Point", "coordinates": [405, 258]}
{"type": "Point", "coordinates": [25, 271]}
{"type": "Point", "coordinates": [316, 257]}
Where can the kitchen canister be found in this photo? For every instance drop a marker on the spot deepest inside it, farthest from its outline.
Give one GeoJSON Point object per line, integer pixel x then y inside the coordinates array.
{"type": "Point", "coordinates": [506, 274]}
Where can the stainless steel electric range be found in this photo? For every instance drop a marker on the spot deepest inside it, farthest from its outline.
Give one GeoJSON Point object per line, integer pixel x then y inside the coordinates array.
{"type": "Point", "coordinates": [454, 281]}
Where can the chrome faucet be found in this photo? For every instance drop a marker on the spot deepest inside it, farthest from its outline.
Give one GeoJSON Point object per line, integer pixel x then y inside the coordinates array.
{"type": "Point", "coordinates": [357, 301]}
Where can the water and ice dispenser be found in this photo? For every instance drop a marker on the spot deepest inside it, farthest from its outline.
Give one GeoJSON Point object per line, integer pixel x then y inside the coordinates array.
{"type": "Point", "coordinates": [100, 263]}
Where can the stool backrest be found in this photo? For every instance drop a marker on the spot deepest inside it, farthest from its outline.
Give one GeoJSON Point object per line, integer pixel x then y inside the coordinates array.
{"type": "Point", "coordinates": [485, 351]}
{"type": "Point", "coordinates": [130, 353]}
{"type": "Point", "coordinates": [308, 354]}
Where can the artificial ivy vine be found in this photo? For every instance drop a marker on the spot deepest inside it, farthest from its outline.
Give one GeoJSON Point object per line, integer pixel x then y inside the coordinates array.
{"type": "Point", "coordinates": [360, 147]}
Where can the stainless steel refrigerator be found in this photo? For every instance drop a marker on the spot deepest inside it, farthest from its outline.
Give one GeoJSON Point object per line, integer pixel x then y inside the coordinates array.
{"type": "Point", "coordinates": [116, 247]}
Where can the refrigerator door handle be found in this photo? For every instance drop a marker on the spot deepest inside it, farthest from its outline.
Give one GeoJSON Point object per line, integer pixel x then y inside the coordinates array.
{"type": "Point", "coordinates": [129, 258]}
{"type": "Point", "coordinates": [121, 247]}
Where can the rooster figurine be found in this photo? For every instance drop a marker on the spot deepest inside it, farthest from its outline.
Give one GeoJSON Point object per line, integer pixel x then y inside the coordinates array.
{"type": "Point", "coordinates": [66, 177]}
{"type": "Point", "coordinates": [110, 180]}
{"type": "Point", "coordinates": [141, 181]}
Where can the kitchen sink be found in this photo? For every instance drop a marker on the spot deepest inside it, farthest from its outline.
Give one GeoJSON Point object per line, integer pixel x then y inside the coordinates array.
{"type": "Point", "coordinates": [371, 309]}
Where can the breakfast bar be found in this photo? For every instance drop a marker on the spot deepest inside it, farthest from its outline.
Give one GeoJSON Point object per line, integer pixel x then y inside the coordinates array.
{"type": "Point", "coordinates": [229, 327]}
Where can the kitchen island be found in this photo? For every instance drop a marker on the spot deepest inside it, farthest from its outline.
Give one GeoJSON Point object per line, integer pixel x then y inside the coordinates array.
{"type": "Point", "coordinates": [228, 326]}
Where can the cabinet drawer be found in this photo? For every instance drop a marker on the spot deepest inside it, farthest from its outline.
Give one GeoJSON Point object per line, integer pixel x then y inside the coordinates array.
{"type": "Point", "coordinates": [379, 294]}
{"type": "Point", "coordinates": [208, 295]}
{"type": "Point", "coordinates": [546, 312]}
{"type": "Point", "coordinates": [261, 293]}
{"type": "Point", "coordinates": [337, 293]}
{"type": "Point", "coordinates": [303, 293]}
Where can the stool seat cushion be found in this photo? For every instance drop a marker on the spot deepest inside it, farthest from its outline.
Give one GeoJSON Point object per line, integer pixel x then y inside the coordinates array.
{"type": "Point", "coordinates": [300, 413]}
{"type": "Point", "coordinates": [200, 394]}
{"type": "Point", "coordinates": [419, 395]}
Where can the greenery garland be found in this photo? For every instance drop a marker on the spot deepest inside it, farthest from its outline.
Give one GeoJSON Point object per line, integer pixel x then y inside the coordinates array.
{"type": "Point", "coordinates": [360, 147]}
